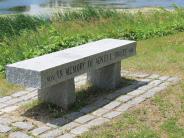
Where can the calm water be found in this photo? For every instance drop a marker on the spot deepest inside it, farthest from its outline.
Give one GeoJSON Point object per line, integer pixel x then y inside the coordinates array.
{"type": "Point", "coordinates": [44, 6]}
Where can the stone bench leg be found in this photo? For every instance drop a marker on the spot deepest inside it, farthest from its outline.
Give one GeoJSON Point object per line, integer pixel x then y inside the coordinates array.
{"type": "Point", "coordinates": [62, 94]}
{"type": "Point", "coordinates": [107, 77]}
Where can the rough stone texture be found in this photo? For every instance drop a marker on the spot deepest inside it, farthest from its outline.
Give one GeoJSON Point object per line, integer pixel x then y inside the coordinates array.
{"type": "Point", "coordinates": [100, 112]}
{"type": "Point", "coordinates": [96, 122]}
{"type": "Point", "coordinates": [52, 134]}
{"type": "Point", "coordinates": [136, 92]}
{"type": "Point", "coordinates": [70, 126]}
{"type": "Point", "coordinates": [112, 105]}
{"type": "Point", "coordinates": [5, 121]}
{"type": "Point", "coordinates": [29, 96]}
{"type": "Point", "coordinates": [9, 109]}
{"type": "Point", "coordinates": [23, 125]}
{"type": "Point", "coordinates": [39, 130]}
{"type": "Point", "coordinates": [19, 135]}
{"type": "Point", "coordinates": [4, 128]}
{"type": "Point", "coordinates": [146, 87]}
{"type": "Point", "coordinates": [62, 94]}
{"type": "Point", "coordinates": [123, 107]}
{"type": "Point", "coordinates": [79, 130]}
{"type": "Point", "coordinates": [164, 78]}
{"type": "Point", "coordinates": [6, 98]}
{"type": "Point", "coordinates": [18, 94]}
{"type": "Point", "coordinates": [84, 119]}
{"type": "Point", "coordinates": [111, 114]}
{"type": "Point", "coordinates": [155, 82]}
{"type": "Point", "coordinates": [107, 77]}
{"type": "Point", "coordinates": [51, 69]}
{"type": "Point", "coordinates": [174, 80]}
{"type": "Point", "coordinates": [68, 135]}
{"type": "Point", "coordinates": [13, 101]}
{"type": "Point", "coordinates": [154, 76]}
{"type": "Point", "coordinates": [2, 105]}
{"type": "Point", "coordinates": [124, 98]}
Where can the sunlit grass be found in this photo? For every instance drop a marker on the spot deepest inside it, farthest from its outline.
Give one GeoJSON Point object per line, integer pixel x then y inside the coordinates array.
{"type": "Point", "coordinates": [161, 116]}
{"type": "Point", "coordinates": [7, 88]}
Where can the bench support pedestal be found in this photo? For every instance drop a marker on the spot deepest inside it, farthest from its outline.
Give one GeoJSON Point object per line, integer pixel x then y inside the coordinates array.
{"type": "Point", "coordinates": [107, 77]}
{"type": "Point", "coordinates": [62, 94]}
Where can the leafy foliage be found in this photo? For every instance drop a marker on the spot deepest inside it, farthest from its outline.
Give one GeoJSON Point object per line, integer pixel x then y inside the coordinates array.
{"type": "Point", "coordinates": [23, 37]}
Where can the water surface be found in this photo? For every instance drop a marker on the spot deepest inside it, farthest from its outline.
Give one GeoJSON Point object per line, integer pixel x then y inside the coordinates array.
{"type": "Point", "coordinates": [44, 6]}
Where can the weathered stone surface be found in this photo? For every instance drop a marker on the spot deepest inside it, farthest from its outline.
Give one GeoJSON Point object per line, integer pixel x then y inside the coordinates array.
{"type": "Point", "coordinates": [6, 98]}
{"type": "Point", "coordinates": [23, 125]}
{"type": "Point", "coordinates": [62, 94]}
{"type": "Point", "coordinates": [18, 94]}
{"type": "Point", "coordinates": [28, 96]}
{"type": "Point", "coordinates": [124, 98]}
{"type": "Point", "coordinates": [5, 121]}
{"type": "Point", "coordinates": [51, 69]}
{"type": "Point", "coordinates": [4, 128]}
{"type": "Point", "coordinates": [154, 76]}
{"type": "Point", "coordinates": [136, 101]}
{"type": "Point", "coordinates": [68, 135]}
{"type": "Point", "coordinates": [174, 80]}
{"type": "Point", "coordinates": [100, 112]}
{"type": "Point", "coordinates": [52, 134]}
{"type": "Point", "coordinates": [146, 87]}
{"type": "Point", "coordinates": [13, 101]}
{"type": "Point", "coordinates": [2, 105]}
{"type": "Point", "coordinates": [155, 82]}
{"type": "Point", "coordinates": [30, 89]}
{"type": "Point", "coordinates": [164, 78]}
{"type": "Point", "coordinates": [70, 126]}
{"type": "Point", "coordinates": [9, 109]}
{"type": "Point", "coordinates": [108, 77]}
{"type": "Point", "coordinates": [84, 119]}
{"type": "Point", "coordinates": [136, 92]}
{"type": "Point", "coordinates": [18, 135]}
{"type": "Point", "coordinates": [112, 105]}
{"type": "Point", "coordinates": [96, 122]}
{"type": "Point", "coordinates": [39, 130]}
{"type": "Point", "coordinates": [123, 107]}
{"type": "Point", "coordinates": [111, 114]}
{"type": "Point", "coordinates": [79, 130]}
{"type": "Point", "coordinates": [148, 94]}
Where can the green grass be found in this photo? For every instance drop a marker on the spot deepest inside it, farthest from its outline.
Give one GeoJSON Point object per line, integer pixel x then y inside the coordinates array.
{"type": "Point", "coordinates": [23, 37]}
{"type": "Point", "coordinates": [162, 116]}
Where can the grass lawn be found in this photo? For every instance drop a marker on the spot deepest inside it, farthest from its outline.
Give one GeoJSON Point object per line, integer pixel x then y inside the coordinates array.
{"type": "Point", "coordinates": [163, 115]}
{"type": "Point", "coordinates": [7, 88]}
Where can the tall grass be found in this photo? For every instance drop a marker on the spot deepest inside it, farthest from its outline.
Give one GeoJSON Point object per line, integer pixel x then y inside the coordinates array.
{"type": "Point", "coordinates": [13, 25]}
{"type": "Point", "coordinates": [36, 36]}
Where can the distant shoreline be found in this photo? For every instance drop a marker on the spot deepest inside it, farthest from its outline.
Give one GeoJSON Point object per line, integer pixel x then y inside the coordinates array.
{"type": "Point", "coordinates": [59, 10]}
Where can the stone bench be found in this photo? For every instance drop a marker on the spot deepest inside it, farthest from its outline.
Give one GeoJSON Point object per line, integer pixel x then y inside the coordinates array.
{"type": "Point", "coordinates": [53, 74]}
